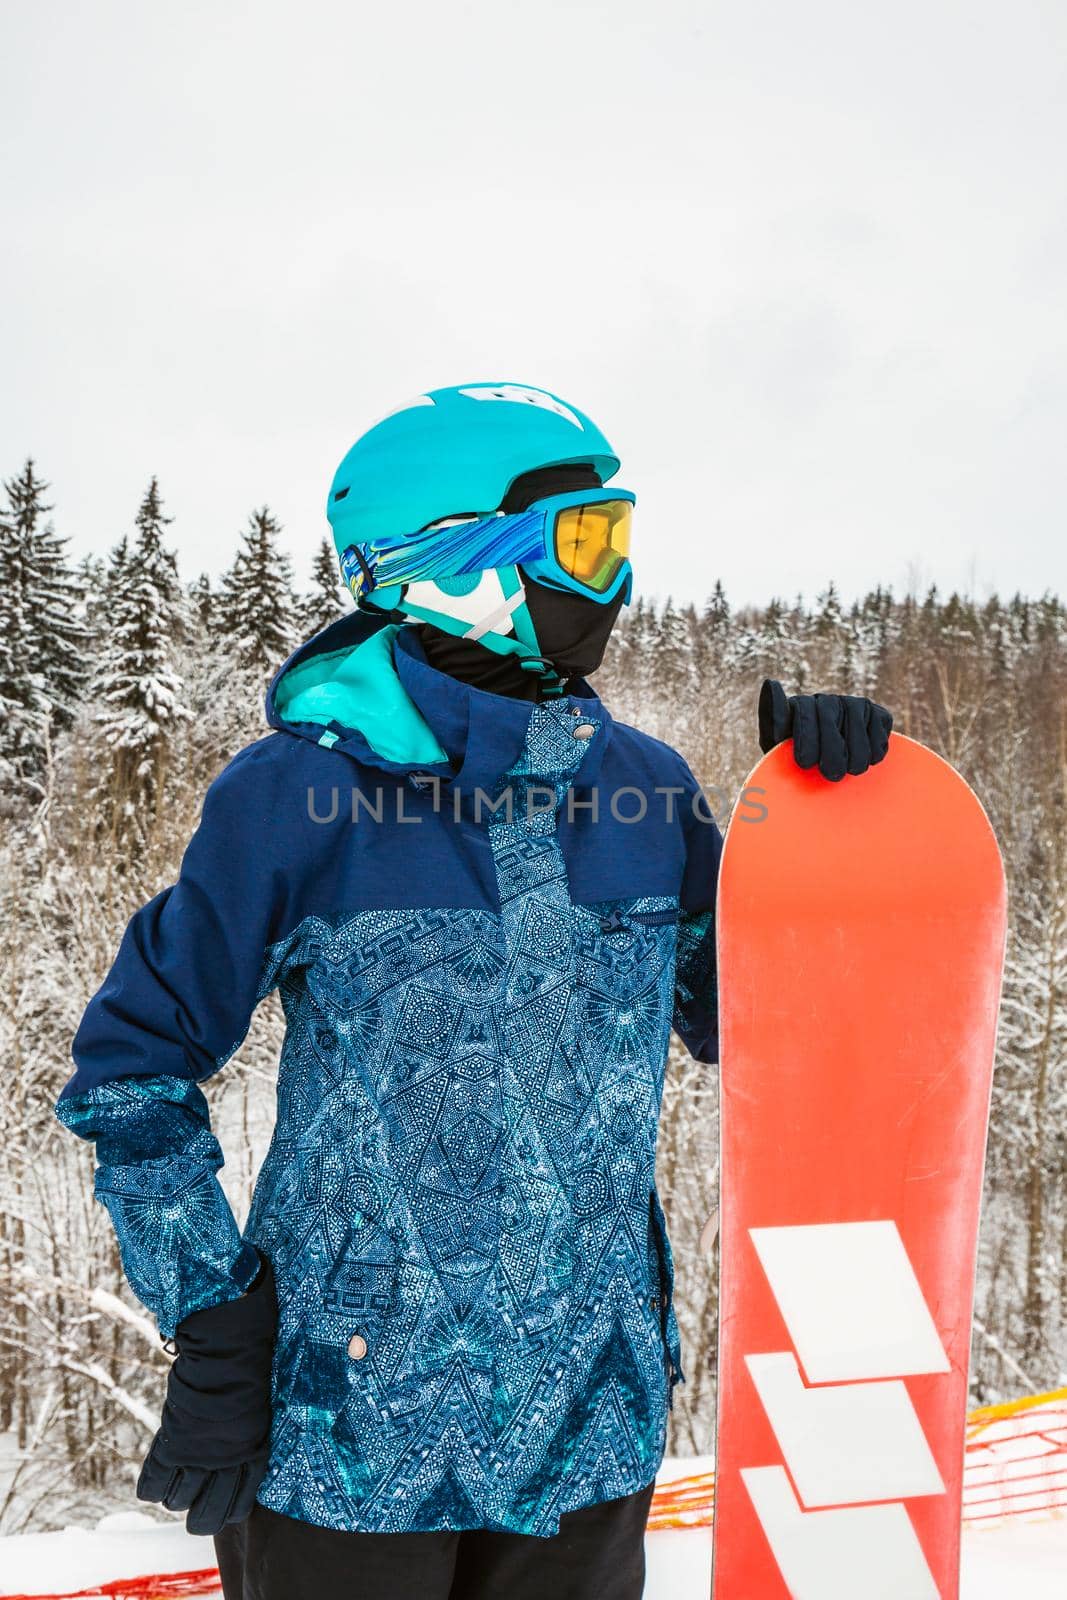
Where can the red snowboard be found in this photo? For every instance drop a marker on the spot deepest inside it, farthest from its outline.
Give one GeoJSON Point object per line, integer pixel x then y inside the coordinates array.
{"type": "Point", "coordinates": [861, 941]}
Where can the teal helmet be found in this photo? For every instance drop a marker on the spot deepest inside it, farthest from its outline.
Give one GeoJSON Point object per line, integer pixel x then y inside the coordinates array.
{"type": "Point", "coordinates": [416, 509]}
{"type": "Point", "coordinates": [454, 452]}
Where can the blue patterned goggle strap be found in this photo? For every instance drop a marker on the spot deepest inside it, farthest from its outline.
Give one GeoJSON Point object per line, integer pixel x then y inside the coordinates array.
{"type": "Point", "coordinates": [475, 546]}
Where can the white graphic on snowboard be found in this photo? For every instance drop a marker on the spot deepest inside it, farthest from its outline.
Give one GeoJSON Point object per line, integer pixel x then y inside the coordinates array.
{"type": "Point", "coordinates": [847, 1429]}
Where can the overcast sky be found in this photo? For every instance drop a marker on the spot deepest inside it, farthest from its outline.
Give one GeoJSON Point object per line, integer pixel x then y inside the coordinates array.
{"type": "Point", "coordinates": [804, 263]}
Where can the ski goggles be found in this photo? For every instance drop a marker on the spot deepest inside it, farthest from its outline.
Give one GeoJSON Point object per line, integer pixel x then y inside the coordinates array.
{"type": "Point", "coordinates": [578, 541]}
{"type": "Point", "coordinates": [585, 537]}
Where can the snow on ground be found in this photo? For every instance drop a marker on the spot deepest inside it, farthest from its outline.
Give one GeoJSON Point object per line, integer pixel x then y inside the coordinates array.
{"type": "Point", "coordinates": [126, 1544]}
{"type": "Point", "coordinates": [1017, 1561]}
{"type": "Point", "coordinates": [1010, 1561]}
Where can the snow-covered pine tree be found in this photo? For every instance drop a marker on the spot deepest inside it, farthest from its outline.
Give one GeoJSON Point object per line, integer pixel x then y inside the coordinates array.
{"type": "Point", "coordinates": [831, 641]}
{"type": "Point", "coordinates": [90, 576]}
{"type": "Point", "coordinates": [675, 658]}
{"type": "Point", "coordinates": [257, 607]}
{"type": "Point", "coordinates": [24, 701]}
{"type": "Point", "coordinates": [764, 645]}
{"type": "Point", "coordinates": [326, 600]}
{"type": "Point", "coordinates": [871, 621]}
{"type": "Point", "coordinates": [202, 604]}
{"type": "Point", "coordinates": [716, 614]}
{"type": "Point", "coordinates": [62, 632]}
{"type": "Point", "coordinates": [137, 692]}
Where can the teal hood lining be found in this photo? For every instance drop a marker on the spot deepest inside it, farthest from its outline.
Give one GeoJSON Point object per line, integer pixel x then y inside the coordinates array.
{"type": "Point", "coordinates": [359, 689]}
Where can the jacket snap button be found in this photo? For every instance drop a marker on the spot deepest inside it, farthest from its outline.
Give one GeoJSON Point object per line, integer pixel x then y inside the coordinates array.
{"type": "Point", "coordinates": [357, 1347]}
{"type": "Point", "coordinates": [584, 730]}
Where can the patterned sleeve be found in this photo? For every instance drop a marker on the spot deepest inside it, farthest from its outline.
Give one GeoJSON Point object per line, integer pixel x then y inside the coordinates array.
{"type": "Point", "coordinates": [696, 1019]}
{"type": "Point", "coordinates": [174, 1007]}
{"type": "Point", "coordinates": [156, 1163]}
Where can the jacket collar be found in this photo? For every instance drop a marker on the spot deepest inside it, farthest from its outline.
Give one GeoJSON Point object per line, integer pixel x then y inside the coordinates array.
{"type": "Point", "coordinates": [484, 733]}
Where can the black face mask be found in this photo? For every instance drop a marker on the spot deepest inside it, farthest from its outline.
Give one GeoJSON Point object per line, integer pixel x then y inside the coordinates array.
{"type": "Point", "coordinates": [573, 634]}
{"type": "Point", "coordinates": [472, 663]}
{"type": "Point", "coordinates": [573, 631]}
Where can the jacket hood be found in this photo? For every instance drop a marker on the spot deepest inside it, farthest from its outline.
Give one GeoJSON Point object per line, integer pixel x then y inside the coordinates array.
{"type": "Point", "coordinates": [364, 687]}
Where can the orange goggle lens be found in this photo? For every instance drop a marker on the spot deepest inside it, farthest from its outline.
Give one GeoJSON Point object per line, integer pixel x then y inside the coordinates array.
{"type": "Point", "coordinates": [593, 541]}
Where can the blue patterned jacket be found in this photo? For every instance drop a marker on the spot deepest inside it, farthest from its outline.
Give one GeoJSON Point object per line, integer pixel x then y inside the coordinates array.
{"type": "Point", "coordinates": [483, 917]}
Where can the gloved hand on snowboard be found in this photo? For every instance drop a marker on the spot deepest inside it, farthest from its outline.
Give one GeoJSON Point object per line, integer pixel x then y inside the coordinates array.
{"type": "Point", "coordinates": [211, 1451]}
{"type": "Point", "coordinates": [838, 733]}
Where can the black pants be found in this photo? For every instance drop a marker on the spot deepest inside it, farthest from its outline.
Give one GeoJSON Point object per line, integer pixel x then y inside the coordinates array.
{"type": "Point", "coordinates": [598, 1554]}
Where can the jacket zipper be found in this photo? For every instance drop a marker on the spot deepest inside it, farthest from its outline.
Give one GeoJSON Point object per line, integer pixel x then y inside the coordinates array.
{"type": "Point", "coordinates": [619, 922]}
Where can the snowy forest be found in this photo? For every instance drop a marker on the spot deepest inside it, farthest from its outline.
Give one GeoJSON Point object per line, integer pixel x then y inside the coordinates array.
{"type": "Point", "coordinates": [125, 687]}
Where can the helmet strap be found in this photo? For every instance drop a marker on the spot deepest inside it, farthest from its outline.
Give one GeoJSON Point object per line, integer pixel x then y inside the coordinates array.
{"type": "Point", "coordinates": [425, 600]}
{"type": "Point", "coordinates": [501, 613]}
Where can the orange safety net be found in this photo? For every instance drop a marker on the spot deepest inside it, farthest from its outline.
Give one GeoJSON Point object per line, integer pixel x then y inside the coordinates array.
{"type": "Point", "coordinates": [158, 1586]}
{"type": "Point", "coordinates": [1016, 1459]}
{"type": "Point", "coordinates": [1015, 1465]}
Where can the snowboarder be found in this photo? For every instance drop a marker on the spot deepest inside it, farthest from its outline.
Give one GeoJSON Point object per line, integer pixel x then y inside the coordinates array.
{"type": "Point", "coordinates": [439, 1360]}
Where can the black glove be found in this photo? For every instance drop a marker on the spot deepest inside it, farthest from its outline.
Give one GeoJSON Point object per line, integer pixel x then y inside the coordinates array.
{"type": "Point", "coordinates": [213, 1444]}
{"type": "Point", "coordinates": [838, 733]}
